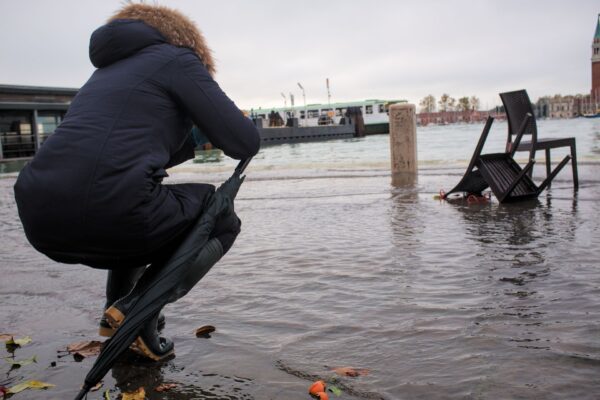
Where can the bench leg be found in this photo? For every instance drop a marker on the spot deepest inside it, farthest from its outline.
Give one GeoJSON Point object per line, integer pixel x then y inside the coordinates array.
{"type": "Point", "coordinates": [574, 165]}
{"type": "Point", "coordinates": [548, 162]}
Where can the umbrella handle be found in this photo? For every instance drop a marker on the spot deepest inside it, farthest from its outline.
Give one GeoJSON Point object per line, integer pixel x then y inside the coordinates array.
{"type": "Point", "coordinates": [242, 165]}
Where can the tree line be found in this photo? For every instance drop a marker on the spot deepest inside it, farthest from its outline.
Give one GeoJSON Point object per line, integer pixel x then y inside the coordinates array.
{"type": "Point", "coordinates": [447, 103]}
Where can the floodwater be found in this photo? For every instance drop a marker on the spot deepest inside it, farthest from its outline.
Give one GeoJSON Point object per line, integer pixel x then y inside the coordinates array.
{"type": "Point", "coordinates": [336, 268]}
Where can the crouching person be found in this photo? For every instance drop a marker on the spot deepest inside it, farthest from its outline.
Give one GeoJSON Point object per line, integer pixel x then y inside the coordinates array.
{"type": "Point", "coordinates": [93, 194]}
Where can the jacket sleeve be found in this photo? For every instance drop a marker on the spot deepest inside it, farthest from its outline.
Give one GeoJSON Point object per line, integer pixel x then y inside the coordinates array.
{"type": "Point", "coordinates": [209, 107]}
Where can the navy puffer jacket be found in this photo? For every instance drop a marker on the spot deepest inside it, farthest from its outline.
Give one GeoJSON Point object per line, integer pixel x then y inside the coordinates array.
{"type": "Point", "coordinates": [93, 192]}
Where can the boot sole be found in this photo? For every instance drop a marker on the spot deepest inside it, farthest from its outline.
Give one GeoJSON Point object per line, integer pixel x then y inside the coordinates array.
{"type": "Point", "coordinates": [115, 318]}
{"type": "Point", "coordinates": [139, 347]}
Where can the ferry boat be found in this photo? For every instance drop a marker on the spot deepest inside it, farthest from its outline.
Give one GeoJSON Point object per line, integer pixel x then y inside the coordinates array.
{"type": "Point", "coordinates": [374, 112]}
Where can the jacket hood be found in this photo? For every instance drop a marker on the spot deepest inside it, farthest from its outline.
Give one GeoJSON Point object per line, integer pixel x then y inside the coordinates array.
{"type": "Point", "coordinates": [136, 26]}
{"type": "Point", "coordinates": [120, 39]}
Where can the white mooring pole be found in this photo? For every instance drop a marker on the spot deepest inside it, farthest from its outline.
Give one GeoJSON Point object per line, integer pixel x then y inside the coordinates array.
{"type": "Point", "coordinates": [403, 143]}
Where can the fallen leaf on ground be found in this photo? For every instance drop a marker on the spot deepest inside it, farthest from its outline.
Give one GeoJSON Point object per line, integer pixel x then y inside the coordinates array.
{"type": "Point", "coordinates": [139, 394]}
{"type": "Point", "coordinates": [106, 395]}
{"type": "Point", "coordinates": [18, 342]}
{"type": "Point", "coordinates": [349, 371]}
{"type": "Point", "coordinates": [85, 349]}
{"type": "Point", "coordinates": [97, 387]}
{"type": "Point", "coordinates": [21, 363]}
{"type": "Point", "coordinates": [165, 387]}
{"type": "Point", "coordinates": [5, 336]}
{"type": "Point", "coordinates": [335, 390]}
{"type": "Point", "coordinates": [205, 331]}
{"type": "Point", "coordinates": [29, 385]}
{"type": "Point", "coordinates": [3, 391]}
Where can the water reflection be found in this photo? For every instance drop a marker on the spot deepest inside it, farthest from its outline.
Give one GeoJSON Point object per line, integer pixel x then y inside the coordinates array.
{"type": "Point", "coordinates": [405, 223]}
{"type": "Point", "coordinates": [516, 253]}
{"type": "Point", "coordinates": [508, 234]}
{"type": "Point", "coordinates": [133, 372]}
{"type": "Point", "coordinates": [130, 373]}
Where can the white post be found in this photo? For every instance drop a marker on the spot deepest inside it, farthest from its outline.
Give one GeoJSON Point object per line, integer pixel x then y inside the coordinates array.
{"type": "Point", "coordinates": [403, 143]}
{"type": "Point", "coordinates": [304, 97]}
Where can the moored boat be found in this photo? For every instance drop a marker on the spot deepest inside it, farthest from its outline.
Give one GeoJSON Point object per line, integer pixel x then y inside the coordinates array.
{"type": "Point", "coordinates": [374, 112]}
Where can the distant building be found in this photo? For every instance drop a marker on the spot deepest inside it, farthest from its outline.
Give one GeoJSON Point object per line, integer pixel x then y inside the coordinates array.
{"type": "Point", "coordinates": [28, 114]}
{"type": "Point", "coordinates": [590, 104]}
{"type": "Point", "coordinates": [557, 107]}
{"type": "Point", "coordinates": [582, 104]}
{"type": "Point", "coordinates": [595, 92]}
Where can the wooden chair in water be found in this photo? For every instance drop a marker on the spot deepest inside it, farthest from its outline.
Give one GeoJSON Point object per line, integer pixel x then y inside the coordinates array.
{"type": "Point", "coordinates": [501, 173]}
{"type": "Point", "coordinates": [517, 106]}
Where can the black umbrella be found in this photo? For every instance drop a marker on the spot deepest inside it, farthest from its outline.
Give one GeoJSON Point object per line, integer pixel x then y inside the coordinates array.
{"type": "Point", "coordinates": [165, 283]}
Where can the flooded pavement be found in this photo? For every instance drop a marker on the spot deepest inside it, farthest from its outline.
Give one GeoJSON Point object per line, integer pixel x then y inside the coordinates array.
{"type": "Point", "coordinates": [436, 300]}
{"type": "Point", "coordinates": [335, 267]}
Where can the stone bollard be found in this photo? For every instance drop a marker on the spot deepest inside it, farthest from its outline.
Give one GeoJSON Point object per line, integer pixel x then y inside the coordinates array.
{"type": "Point", "coordinates": [403, 144]}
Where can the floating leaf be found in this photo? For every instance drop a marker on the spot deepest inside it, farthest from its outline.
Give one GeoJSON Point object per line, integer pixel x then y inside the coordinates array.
{"type": "Point", "coordinates": [349, 371]}
{"type": "Point", "coordinates": [106, 395]}
{"type": "Point", "coordinates": [97, 387]}
{"type": "Point", "coordinates": [205, 331]}
{"type": "Point", "coordinates": [85, 349]}
{"type": "Point", "coordinates": [18, 342]}
{"type": "Point", "coordinates": [139, 394]}
{"type": "Point", "coordinates": [335, 390]}
{"type": "Point", "coordinates": [165, 387]}
{"type": "Point", "coordinates": [5, 336]}
{"type": "Point", "coordinates": [22, 363]}
{"type": "Point", "coordinates": [29, 385]}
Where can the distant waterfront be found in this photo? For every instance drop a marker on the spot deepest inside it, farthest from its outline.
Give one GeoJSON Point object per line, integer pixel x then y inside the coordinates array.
{"type": "Point", "coordinates": [438, 146]}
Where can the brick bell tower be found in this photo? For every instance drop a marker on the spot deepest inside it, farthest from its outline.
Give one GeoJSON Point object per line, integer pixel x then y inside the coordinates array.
{"type": "Point", "coordinates": [596, 63]}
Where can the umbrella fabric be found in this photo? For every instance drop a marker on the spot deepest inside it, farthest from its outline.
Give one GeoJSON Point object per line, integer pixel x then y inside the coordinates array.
{"type": "Point", "coordinates": [163, 288]}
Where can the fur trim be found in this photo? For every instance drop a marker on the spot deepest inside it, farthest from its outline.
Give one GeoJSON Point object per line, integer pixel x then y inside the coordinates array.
{"type": "Point", "coordinates": [177, 28]}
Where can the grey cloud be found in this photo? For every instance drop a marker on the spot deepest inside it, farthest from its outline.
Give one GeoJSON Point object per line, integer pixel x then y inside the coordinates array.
{"type": "Point", "coordinates": [400, 49]}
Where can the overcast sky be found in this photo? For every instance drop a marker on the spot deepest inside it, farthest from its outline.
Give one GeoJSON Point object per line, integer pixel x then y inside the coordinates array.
{"type": "Point", "coordinates": [368, 49]}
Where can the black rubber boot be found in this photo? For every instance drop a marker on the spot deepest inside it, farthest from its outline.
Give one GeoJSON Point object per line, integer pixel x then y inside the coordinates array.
{"type": "Point", "coordinates": [153, 346]}
{"type": "Point", "coordinates": [119, 284]}
{"type": "Point", "coordinates": [150, 344]}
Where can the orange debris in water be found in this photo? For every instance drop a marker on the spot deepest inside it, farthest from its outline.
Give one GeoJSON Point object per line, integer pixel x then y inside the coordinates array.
{"type": "Point", "coordinates": [322, 396]}
{"type": "Point", "coordinates": [316, 388]}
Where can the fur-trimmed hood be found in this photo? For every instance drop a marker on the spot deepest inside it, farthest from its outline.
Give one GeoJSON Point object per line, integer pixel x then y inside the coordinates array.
{"type": "Point", "coordinates": [175, 28]}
